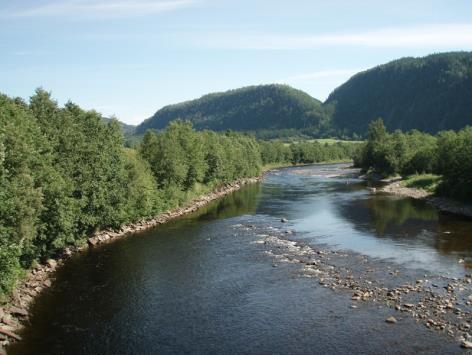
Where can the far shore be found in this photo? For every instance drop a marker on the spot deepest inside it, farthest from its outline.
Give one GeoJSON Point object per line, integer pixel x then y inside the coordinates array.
{"type": "Point", "coordinates": [443, 204]}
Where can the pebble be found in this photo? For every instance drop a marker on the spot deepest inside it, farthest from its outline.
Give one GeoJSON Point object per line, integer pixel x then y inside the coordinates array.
{"type": "Point", "coordinates": [423, 298]}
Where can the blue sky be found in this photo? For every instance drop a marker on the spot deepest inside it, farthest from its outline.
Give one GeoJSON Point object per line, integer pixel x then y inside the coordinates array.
{"type": "Point", "coordinates": [129, 58]}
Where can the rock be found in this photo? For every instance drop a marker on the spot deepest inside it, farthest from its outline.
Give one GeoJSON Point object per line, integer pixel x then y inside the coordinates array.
{"type": "Point", "coordinates": [51, 263]}
{"type": "Point", "coordinates": [8, 320]}
{"type": "Point", "coordinates": [9, 333]}
{"type": "Point", "coordinates": [47, 283]}
{"type": "Point", "coordinates": [391, 320]}
{"type": "Point", "coordinates": [284, 220]}
{"type": "Point", "coordinates": [466, 344]}
{"type": "Point", "coordinates": [94, 241]}
{"type": "Point", "coordinates": [18, 311]}
{"type": "Point", "coordinates": [67, 252]}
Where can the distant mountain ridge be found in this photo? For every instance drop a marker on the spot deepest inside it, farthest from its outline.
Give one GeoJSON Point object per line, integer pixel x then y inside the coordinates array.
{"type": "Point", "coordinates": [430, 94]}
{"type": "Point", "coordinates": [252, 108]}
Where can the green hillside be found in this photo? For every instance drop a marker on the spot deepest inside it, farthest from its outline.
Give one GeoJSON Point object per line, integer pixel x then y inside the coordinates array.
{"type": "Point", "coordinates": [254, 108]}
{"type": "Point", "coordinates": [430, 94]}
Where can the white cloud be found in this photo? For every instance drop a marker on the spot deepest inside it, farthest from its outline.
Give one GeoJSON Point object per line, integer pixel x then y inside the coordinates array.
{"type": "Point", "coordinates": [426, 36]}
{"type": "Point", "coordinates": [101, 7]}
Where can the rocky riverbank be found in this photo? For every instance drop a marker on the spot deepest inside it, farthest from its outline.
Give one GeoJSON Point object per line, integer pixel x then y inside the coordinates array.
{"type": "Point", "coordinates": [442, 203]}
{"type": "Point", "coordinates": [440, 303]}
{"type": "Point", "coordinates": [15, 313]}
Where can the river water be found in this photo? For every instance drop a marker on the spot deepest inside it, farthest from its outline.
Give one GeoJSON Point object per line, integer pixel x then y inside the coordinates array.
{"type": "Point", "coordinates": [203, 284]}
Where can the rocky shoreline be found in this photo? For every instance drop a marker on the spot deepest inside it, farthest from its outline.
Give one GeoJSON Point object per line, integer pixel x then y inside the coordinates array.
{"type": "Point", "coordinates": [443, 204]}
{"type": "Point", "coordinates": [440, 303]}
{"type": "Point", "coordinates": [14, 313]}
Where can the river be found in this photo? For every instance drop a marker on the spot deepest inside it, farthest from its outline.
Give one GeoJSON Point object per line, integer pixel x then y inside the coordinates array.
{"type": "Point", "coordinates": [232, 278]}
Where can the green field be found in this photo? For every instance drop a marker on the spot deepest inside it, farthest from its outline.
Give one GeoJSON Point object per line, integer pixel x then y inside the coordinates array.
{"type": "Point", "coordinates": [324, 141]}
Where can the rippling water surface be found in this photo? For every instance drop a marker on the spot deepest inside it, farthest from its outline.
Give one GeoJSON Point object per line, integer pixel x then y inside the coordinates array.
{"type": "Point", "coordinates": [200, 285]}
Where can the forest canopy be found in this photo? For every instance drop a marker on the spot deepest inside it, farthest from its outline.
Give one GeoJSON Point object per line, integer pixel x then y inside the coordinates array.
{"type": "Point", "coordinates": [65, 174]}
{"type": "Point", "coordinates": [448, 154]}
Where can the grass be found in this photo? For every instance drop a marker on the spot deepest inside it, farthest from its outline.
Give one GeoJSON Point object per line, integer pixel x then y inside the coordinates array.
{"type": "Point", "coordinates": [427, 182]}
{"type": "Point", "coordinates": [324, 141]}
{"type": "Point", "coordinates": [332, 141]}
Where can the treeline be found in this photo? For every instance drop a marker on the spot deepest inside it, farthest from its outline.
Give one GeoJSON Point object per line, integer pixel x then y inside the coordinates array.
{"type": "Point", "coordinates": [448, 154]}
{"type": "Point", "coordinates": [65, 174]}
{"type": "Point", "coordinates": [306, 152]}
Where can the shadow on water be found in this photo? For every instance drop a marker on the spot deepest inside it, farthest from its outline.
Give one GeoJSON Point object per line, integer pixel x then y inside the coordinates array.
{"type": "Point", "coordinates": [241, 202]}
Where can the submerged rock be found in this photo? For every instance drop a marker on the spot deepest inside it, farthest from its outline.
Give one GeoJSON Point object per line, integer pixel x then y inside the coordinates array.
{"type": "Point", "coordinates": [391, 320]}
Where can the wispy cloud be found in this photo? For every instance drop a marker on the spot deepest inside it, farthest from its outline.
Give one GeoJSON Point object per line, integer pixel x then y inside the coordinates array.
{"type": "Point", "coordinates": [100, 8]}
{"type": "Point", "coordinates": [426, 36]}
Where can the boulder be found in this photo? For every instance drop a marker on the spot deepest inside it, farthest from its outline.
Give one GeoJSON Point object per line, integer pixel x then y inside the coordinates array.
{"type": "Point", "coordinates": [51, 263]}
{"type": "Point", "coordinates": [391, 320]}
{"type": "Point", "coordinates": [466, 344]}
{"type": "Point", "coordinates": [18, 311]}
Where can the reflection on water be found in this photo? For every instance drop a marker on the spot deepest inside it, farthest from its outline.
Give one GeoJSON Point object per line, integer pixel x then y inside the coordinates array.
{"type": "Point", "coordinates": [333, 207]}
{"type": "Point", "coordinates": [236, 204]}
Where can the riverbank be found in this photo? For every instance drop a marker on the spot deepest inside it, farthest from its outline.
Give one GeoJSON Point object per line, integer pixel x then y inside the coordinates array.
{"type": "Point", "coordinates": [443, 204]}
{"type": "Point", "coordinates": [14, 313]}
{"type": "Point", "coordinates": [440, 303]}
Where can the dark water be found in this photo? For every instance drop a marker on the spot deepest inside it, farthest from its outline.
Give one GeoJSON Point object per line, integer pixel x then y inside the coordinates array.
{"type": "Point", "coordinates": [198, 285]}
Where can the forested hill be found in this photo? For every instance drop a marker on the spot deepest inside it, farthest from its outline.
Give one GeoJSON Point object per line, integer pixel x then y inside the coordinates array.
{"type": "Point", "coordinates": [263, 107]}
{"type": "Point", "coordinates": [430, 94]}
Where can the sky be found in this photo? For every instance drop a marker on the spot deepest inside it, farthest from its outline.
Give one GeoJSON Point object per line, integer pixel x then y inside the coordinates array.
{"type": "Point", "coordinates": [130, 58]}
